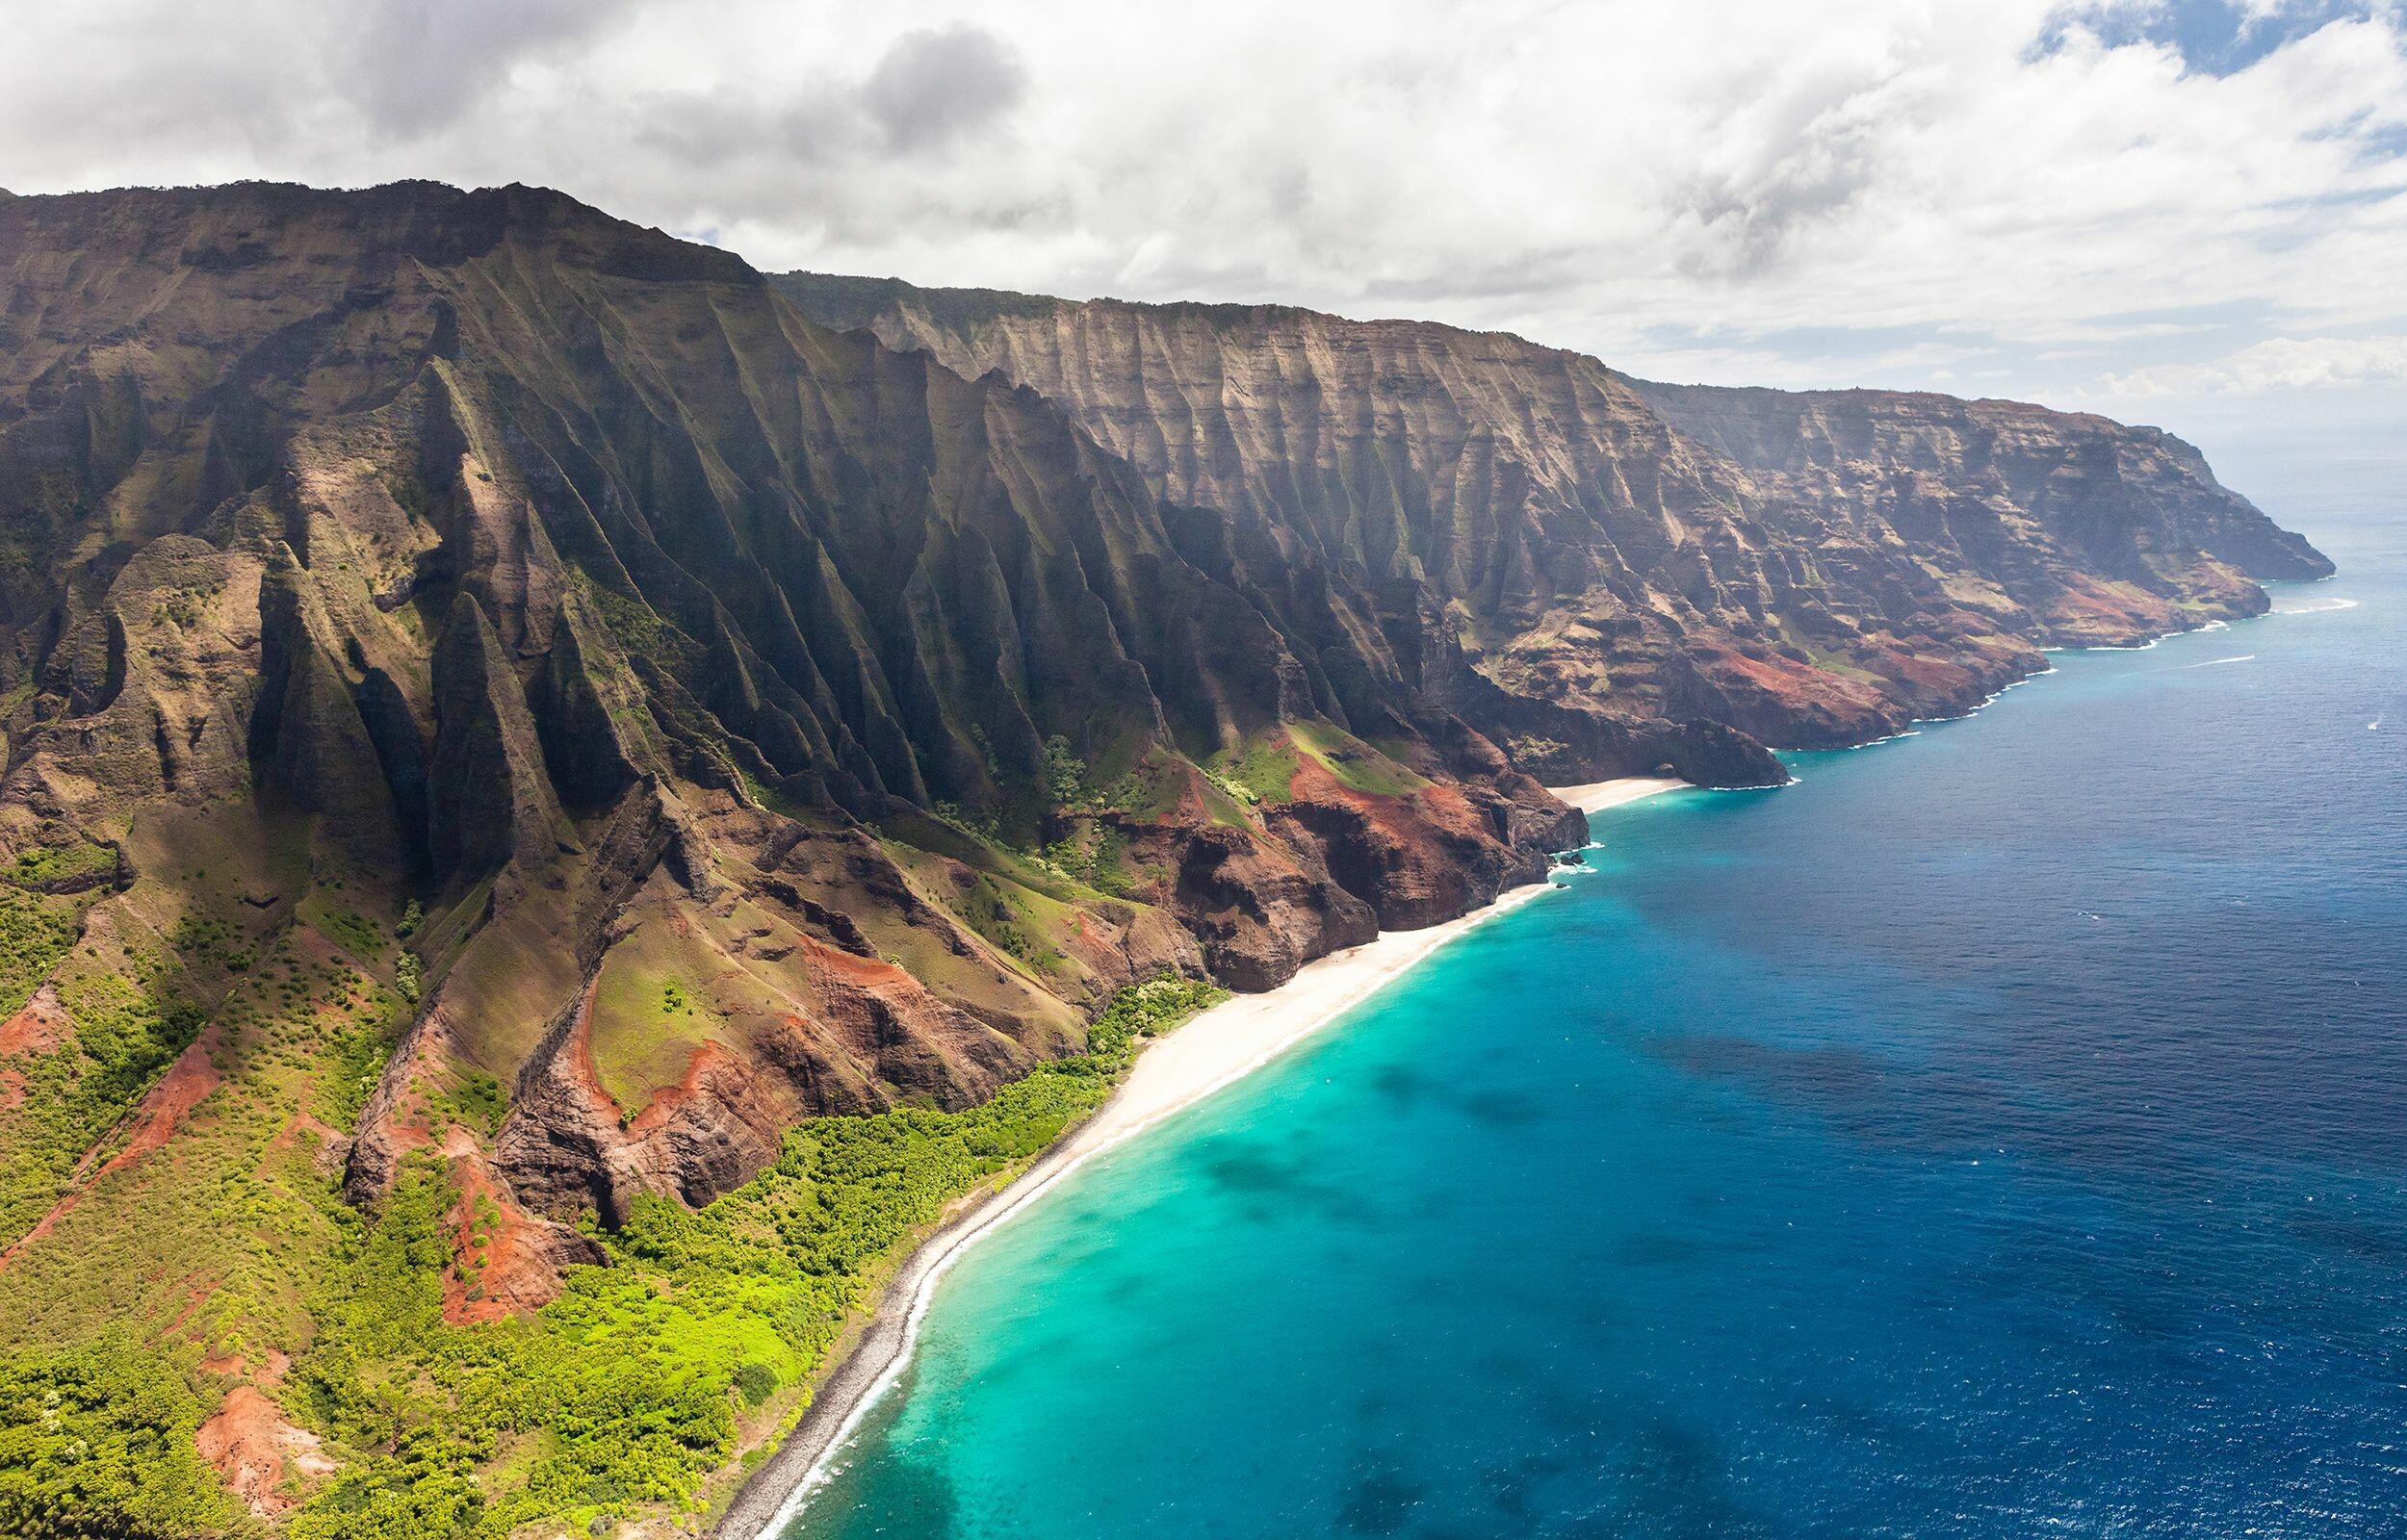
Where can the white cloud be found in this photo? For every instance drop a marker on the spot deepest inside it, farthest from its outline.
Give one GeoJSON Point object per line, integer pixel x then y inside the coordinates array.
{"type": "Point", "coordinates": [2278, 363]}
{"type": "Point", "coordinates": [1868, 193]}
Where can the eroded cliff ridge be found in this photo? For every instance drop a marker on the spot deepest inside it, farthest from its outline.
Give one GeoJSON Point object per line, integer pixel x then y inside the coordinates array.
{"type": "Point", "coordinates": [1587, 554]}
{"type": "Point", "coordinates": [492, 689]}
{"type": "Point", "coordinates": [479, 551]}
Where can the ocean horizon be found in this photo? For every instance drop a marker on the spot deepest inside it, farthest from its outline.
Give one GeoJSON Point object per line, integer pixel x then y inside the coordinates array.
{"type": "Point", "coordinates": [1995, 1132]}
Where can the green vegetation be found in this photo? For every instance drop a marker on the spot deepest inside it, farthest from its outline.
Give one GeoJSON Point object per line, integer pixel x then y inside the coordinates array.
{"type": "Point", "coordinates": [1259, 772]}
{"type": "Point", "coordinates": [59, 867]}
{"type": "Point", "coordinates": [208, 1243]}
{"type": "Point", "coordinates": [756, 1382]}
{"type": "Point", "coordinates": [96, 1442]}
{"type": "Point", "coordinates": [1095, 855]}
{"type": "Point", "coordinates": [477, 1101]}
{"type": "Point", "coordinates": [1065, 773]}
{"type": "Point", "coordinates": [125, 1035]}
{"type": "Point", "coordinates": [1148, 1009]}
{"type": "Point", "coordinates": [640, 631]}
{"type": "Point", "coordinates": [35, 932]}
{"type": "Point", "coordinates": [359, 1046]}
{"type": "Point", "coordinates": [650, 1013]}
{"type": "Point", "coordinates": [628, 1390]}
{"type": "Point", "coordinates": [630, 1383]}
{"type": "Point", "coordinates": [205, 938]}
{"type": "Point", "coordinates": [998, 912]}
{"type": "Point", "coordinates": [1262, 772]}
{"type": "Point", "coordinates": [1531, 749]}
{"type": "Point", "coordinates": [1147, 791]}
{"type": "Point", "coordinates": [978, 846]}
{"type": "Point", "coordinates": [358, 935]}
{"type": "Point", "coordinates": [1353, 763]}
{"type": "Point", "coordinates": [407, 492]}
{"type": "Point", "coordinates": [1023, 901]}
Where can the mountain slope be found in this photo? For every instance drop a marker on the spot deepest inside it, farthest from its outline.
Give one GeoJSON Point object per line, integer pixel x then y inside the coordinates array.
{"type": "Point", "coordinates": [1815, 570]}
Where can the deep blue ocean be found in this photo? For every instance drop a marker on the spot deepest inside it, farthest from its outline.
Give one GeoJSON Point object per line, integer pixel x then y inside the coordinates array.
{"type": "Point", "coordinates": [2000, 1132]}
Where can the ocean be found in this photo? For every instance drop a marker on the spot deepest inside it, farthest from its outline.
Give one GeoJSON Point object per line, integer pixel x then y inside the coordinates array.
{"type": "Point", "coordinates": [2000, 1132]}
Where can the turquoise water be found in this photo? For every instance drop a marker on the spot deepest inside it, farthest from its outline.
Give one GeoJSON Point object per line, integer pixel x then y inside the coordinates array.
{"type": "Point", "coordinates": [2002, 1132]}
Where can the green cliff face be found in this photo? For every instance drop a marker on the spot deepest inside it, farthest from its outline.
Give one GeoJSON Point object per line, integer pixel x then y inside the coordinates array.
{"type": "Point", "coordinates": [1609, 561]}
{"type": "Point", "coordinates": [514, 720]}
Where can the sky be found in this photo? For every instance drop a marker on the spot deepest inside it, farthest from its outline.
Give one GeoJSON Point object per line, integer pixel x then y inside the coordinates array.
{"type": "Point", "coordinates": [2184, 212]}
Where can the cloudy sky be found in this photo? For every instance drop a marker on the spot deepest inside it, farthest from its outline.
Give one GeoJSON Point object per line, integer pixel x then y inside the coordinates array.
{"type": "Point", "coordinates": [2192, 211]}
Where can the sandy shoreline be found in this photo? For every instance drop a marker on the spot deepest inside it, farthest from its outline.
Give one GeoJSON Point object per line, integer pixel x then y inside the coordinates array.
{"type": "Point", "coordinates": [1597, 796]}
{"type": "Point", "coordinates": [1218, 1047]}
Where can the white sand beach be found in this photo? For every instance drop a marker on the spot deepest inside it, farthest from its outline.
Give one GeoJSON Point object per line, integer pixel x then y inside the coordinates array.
{"type": "Point", "coordinates": [1238, 1036]}
{"type": "Point", "coordinates": [1217, 1048]}
{"type": "Point", "coordinates": [1599, 795]}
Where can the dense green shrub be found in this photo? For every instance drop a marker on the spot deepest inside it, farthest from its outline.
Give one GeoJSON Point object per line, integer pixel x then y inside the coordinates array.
{"type": "Point", "coordinates": [55, 865]}
{"type": "Point", "coordinates": [756, 1382]}
{"type": "Point", "coordinates": [35, 932]}
{"type": "Point", "coordinates": [96, 1443]}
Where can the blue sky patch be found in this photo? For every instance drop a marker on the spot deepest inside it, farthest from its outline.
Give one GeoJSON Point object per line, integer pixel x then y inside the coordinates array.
{"type": "Point", "coordinates": [2212, 36]}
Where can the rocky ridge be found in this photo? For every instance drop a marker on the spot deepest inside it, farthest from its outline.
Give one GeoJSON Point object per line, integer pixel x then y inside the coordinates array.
{"type": "Point", "coordinates": [1621, 560]}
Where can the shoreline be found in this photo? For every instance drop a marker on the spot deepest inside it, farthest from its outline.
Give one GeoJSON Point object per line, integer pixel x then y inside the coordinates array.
{"type": "Point", "coordinates": [1217, 1048]}
{"type": "Point", "coordinates": [1599, 795]}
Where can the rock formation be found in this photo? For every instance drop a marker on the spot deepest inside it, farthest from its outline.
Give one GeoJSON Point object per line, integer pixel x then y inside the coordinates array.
{"type": "Point", "coordinates": [1603, 573]}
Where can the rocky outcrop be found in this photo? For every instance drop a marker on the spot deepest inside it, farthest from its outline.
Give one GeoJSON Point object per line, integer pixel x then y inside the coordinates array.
{"type": "Point", "coordinates": [2122, 502]}
{"type": "Point", "coordinates": [489, 803]}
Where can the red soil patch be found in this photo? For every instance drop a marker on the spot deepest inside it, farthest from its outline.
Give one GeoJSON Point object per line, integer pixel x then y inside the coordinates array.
{"type": "Point", "coordinates": [587, 1073]}
{"type": "Point", "coordinates": [1192, 809]}
{"type": "Point", "coordinates": [39, 1027]}
{"type": "Point", "coordinates": [400, 1118]}
{"type": "Point", "coordinates": [1408, 820]}
{"type": "Point", "coordinates": [157, 1116]}
{"type": "Point", "coordinates": [1779, 678]}
{"type": "Point", "coordinates": [233, 1365]}
{"type": "Point", "coordinates": [849, 967]}
{"type": "Point", "coordinates": [512, 1269]}
{"type": "Point", "coordinates": [665, 1101]}
{"type": "Point", "coordinates": [1934, 675]}
{"type": "Point", "coordinates": [253, 1448]}
{"type": "Point", "coordinates": [1794, 687]}
{"type": "Point", "coordinates": [187, 1080]}
{"type": "Point", "coordinates": [2089, 610]}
